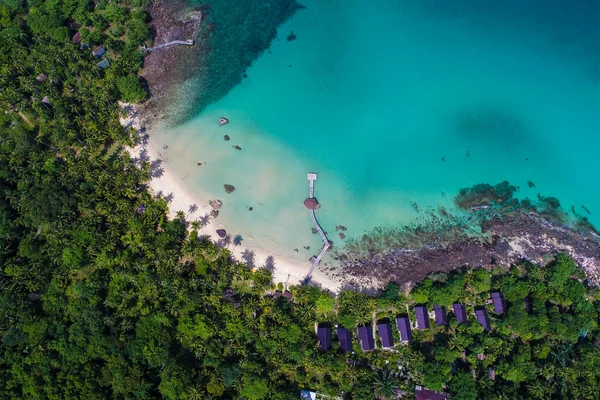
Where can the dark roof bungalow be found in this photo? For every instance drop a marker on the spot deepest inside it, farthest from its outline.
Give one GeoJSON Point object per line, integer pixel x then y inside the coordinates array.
{"type": "Point", "coordinates": [484, 320]}
{"type": "Point", "coordinates": [499, 302]}
{"type": "Point", "coordinates": [98, 51]}
{"type": "Point", "coordinates": [527, 304]}
{"type": "Point", "coordinates": [459, 311]}
{"type": "Point", "coordinates": [365, 335]}
{"type": "Point", "coordinates": [441, 318]}
{"type": "Point", "coordinates": [345, 338]}
{"type": "Point", "coordinates": [425, 394]}
{"type": "Point", "coordinates": [403, 325]}
{"type": "Point", "coordinates": [324, 335]}
{"type": "Point", "coordinates": [76, 39]}
{"type": "Point", "coordinates": [422, 317]}
{"type": "Point", "coordinates": [385, 333]}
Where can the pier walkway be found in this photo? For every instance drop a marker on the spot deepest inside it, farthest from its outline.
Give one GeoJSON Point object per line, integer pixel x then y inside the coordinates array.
{"type": "Point", "coordinates": [311, 192]}
{"type": "Point", "coordinates": [173, 43]}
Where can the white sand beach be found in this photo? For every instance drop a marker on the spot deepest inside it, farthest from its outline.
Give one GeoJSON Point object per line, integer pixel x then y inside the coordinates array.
{"type": "Point", "coordinates": [196, 205]}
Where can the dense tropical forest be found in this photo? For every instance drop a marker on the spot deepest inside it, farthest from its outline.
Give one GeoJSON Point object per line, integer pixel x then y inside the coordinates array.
{"type": "Point", "coordinates": [101, 296]}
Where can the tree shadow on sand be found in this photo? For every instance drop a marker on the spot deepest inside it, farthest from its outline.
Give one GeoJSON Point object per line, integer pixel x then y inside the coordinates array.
{"type": "Point", "coordinates": [270, 264]}
{"type": "Point", "coordinates": [248, 258]}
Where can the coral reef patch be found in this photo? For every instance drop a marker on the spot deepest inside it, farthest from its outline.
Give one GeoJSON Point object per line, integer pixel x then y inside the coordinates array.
{"type": "Point", "coordinates": [489, 227]}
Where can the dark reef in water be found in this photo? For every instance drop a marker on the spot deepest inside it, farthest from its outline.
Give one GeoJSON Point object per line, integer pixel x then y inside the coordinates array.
{"type": "Point", "coordinates": [235, 34]}
{"type": "Point", "coordinates": [491, 227]}
{"type": "Point", "coordinates": [184, 80]}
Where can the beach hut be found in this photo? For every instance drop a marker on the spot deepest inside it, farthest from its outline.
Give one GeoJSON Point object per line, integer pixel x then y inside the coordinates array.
{"type": "Point", "coordinates": [483, 319]}
{"type": "Point", "coordinates": [460, 313]}
{"type": "Point", "coordinates": [499, 303]}
{"type": "Point", "coordinates": [403, 325]}
{"type": "Point", "coordinates": [441, 317]}
{"type": "Point", "coordinates": [324, 335]}
{"type": "Point", "coordinates": [385, 334]}
{"type": "Point", "coordinates": [98, 51]}
{"type": "Point", "coordinates": [365, 335]}
{"type": "Point", "coordinates": [345, 339]}
{"type": "Point", "coordinates": [527, 302]}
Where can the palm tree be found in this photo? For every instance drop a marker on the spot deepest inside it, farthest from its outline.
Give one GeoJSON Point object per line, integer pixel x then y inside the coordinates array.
{"type": "Point", "coordinates": [385, 384]}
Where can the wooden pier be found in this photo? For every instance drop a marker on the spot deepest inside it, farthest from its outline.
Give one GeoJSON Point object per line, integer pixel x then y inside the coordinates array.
{"type": "Point", "coordinates": [312, 177]}
{"type": "Point", "coordinates": [173, 43]}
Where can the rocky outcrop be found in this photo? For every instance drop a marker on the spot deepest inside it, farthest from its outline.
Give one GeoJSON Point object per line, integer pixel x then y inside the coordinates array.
{"type": "Point", "coordinates": [229, 188]}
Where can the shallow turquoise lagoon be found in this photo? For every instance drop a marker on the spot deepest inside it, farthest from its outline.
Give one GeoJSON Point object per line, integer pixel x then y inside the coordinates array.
{"type": "Point", "coordinates": [395, 102]}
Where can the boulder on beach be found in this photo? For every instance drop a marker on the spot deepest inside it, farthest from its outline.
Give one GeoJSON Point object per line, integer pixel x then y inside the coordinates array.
{"type": "Point", "coordinates": [215, 204]}
{"type": "Point", "coordinates": [222, 233]}
{"type": "Point", "coordinates": [229, 188]}
{"type": "Point", "coordinates": [311, 203]}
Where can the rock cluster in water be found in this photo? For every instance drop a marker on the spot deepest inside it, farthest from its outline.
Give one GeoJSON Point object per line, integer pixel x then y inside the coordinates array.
{"type": "Point", "coordinates": [493, 228]}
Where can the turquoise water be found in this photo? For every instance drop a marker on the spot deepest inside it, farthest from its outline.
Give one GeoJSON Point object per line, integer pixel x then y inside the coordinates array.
{"type": "Point", "coordinates": [372, 95]}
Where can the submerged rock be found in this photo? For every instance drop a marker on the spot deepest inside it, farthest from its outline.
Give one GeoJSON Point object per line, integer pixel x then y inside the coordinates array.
{"type": "Point", "coordinates": [314, 231]}
{"type": "Point", "coordinates": [215, 204]}
{"type": "Point", "coordinates": [229, 188]}
{"type": "Point", "coordinates": [342, 236]}
{"type": "Point", "coordinates": [226, 137]}
{"type": "Point", "coordinates": [291, 36]}
{"type": "Point", "coordinates": [237, 147]}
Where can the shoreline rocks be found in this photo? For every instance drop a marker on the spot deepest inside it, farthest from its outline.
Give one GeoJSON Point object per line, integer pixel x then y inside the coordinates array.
{"type": "Point", "coordinates": [215, 204]}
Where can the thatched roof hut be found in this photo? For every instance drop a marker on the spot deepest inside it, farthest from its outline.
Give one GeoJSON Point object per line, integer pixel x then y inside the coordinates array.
{"type": "Point", "coordinates": [311, 203]}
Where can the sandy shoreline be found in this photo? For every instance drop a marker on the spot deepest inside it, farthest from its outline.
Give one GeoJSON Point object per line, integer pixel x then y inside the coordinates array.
{"type": "Point", "coordinates": [196, 205]}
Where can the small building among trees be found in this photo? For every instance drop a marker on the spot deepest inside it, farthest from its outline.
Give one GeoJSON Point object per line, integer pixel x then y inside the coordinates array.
{"type": "Point", "coordinates": [499, 303]}
{"type": "Point", "coordinates": [403, 325]}
{"type": "Point", "coordinates": [385, 333]}
{"type": "Point", "coordinates": [483, 318]}
{"type": "Point", "coordinates": [441, 317]}
{"type": "Point", "coordinates": [344, 338]}
{"type": "Point", "coordinates": [422, 317]}
{"type": "Point", "coordinates": [365, 335]}
{"type": "Point", "coordinates": [460, 313]}
{"type": "Point", "coordinates": [324, 335]}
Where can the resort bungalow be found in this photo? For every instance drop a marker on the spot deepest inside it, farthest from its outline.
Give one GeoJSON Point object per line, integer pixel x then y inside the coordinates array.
{"type": "Point", "coordinates": [324, 335]}
{"type": "Point", "coordinates": [441, 318]}
{"type": "Point", "coordinates": [484, 320]}
{"type": "Point", "coordinates": [403, 325]}
{"type": "Point", "coordinates": [459, 311]}
{"type": "Point", "coordinates": [103, 64]}
{"type": "Point", "coordinates": [422, 317]}
{"type": "Point", "coordinates": [76, 39]}
{"type": "Point", "coordinates": [499, 302]}
{"type": "Point", "coordinates": [527, 302]}
{"type": "Point", "coordinates": [425, 394]}
{"type": "Point", "coordinates": [98, 51]}
{"type": "Point", "coordinates": [385, 333]}
{"type": "Point", "coordinates": [365, 335]}
{"type": "Point", "coordinates": [345, 339]}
